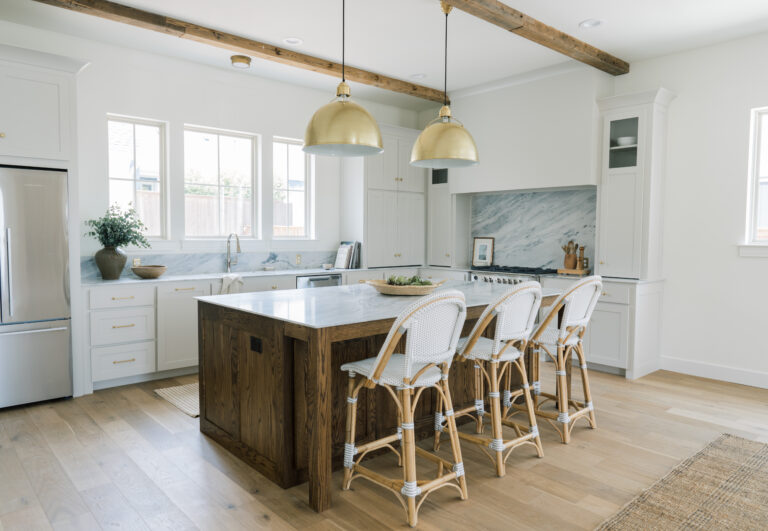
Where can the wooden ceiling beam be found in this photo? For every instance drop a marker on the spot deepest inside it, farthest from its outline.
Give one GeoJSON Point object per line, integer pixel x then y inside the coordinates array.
{"type": "Point", "coordinates": [186, 30]}
{"type": "Point", "coordinates": [521, 24]}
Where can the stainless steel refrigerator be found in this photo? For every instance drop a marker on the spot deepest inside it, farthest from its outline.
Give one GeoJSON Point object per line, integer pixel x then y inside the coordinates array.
{"type": "Point", "coordinates": [35, 359]}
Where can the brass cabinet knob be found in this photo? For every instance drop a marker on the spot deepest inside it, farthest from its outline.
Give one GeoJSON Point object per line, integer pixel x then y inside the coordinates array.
{"type": "Point", "coordinates": [2, 135]}
{"type": "Point", "coordinates": [605, 293]}
{"type": "Point", "coordinates": [602, 263]}
{"type": "Point", "coordinates": [274, 287]}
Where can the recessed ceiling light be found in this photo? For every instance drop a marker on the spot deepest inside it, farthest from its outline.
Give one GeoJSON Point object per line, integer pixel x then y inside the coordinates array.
{"type": "Point", "coordinates": [293, 41]}
{"type": "Point", "coordinates": [240, 61]}
{"type": "Point", "coordinates": [590, 23]}
{"type": "Point", "coordinates": [418, 76]}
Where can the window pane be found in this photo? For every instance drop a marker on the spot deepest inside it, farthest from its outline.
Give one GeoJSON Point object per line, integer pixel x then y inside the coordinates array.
{"type": "Point", "coordinates": [296, 200]}
{"type": "Point", "coordinates": [201, 157]}
{"type": "Point", "coordinates": [296, 173]}
{"type": "Point", "coordinates": [149, 206]}
{"type": "Point", "coordinates": [120, 151]}
{"type": "Point", "coordinates": [121, 192]}
{"type": "Point", "coordinates": [762, 170]}
{"type": "Point", "coordinates": [279, 165]}
{"type": "Point", "coordinates": [762, 212]}
{"type": "Point", "coordinates": [201, 210]}
{"type": "Point", "coordinates": [235, 160]}
{"type": "Point", "coordinates": [236, 203]}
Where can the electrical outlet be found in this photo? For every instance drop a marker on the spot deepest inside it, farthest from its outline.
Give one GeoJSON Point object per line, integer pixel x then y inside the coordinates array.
{"type": "Point", "coordinates": [298, 259]}
{"type": "Point", "coordinates": [136, 262]}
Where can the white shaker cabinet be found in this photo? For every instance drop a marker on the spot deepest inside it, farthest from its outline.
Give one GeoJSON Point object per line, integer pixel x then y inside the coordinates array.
{"type": "Point", "coordinates": [34, 113]}
{"type": "Point", "coordinates": [177, 323]}
{"type": "Point", "coordinates": [448, 227]}
{"type": "Point", "coordinates": [383, 203]}
{"type": "Point", "coordinates": [268, 282]}
{"type": "Point", "coordinates": [629, 224]}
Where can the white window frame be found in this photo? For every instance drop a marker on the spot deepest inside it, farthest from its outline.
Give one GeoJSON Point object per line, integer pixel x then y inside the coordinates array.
{"type": "Point", "coordinates": [309, 192]}
{"type": "Point", "coordinates": [165, 207]}
{"type": "Point", "coordinates": [256, 209]}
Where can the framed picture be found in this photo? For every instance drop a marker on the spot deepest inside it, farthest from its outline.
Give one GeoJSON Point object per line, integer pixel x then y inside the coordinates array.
{"type": "Point", "coordinates": [482, 252]}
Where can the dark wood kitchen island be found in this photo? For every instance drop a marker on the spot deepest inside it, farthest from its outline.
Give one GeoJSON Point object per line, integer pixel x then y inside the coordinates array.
{"type": "Point", "coordinates": [271, 388]}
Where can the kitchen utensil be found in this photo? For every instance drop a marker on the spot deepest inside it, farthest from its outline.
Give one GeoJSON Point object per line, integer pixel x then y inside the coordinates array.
{"type": "Point", "coordinates": [626, 140]}
{"type": "Point", "coordinates": [149, 271]}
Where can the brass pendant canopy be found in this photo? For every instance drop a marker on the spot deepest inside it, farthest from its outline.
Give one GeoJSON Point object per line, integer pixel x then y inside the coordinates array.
{"type": "Point", "coordinates": [342, 128]}
{"type": "Point", "coordinates": [444, 143]}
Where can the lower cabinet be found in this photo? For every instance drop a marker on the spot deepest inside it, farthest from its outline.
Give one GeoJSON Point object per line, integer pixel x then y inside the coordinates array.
{"type": "Point", "coordinates": [177, 323]}
{"type": "Point", "coordinates": [625, 330]}
{"type": "Point", "coordinates": [360, 277]}
{"type": "Point", "coordinates": [438, 273]}
{"type": "Point", "coordinates": [266, 283]}
{"type": "Point", "coordinates": [119, 361]}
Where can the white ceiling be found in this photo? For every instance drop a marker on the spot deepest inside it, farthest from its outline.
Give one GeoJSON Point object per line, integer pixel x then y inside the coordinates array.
{"type": "Point", "coordinates": [400, 38]}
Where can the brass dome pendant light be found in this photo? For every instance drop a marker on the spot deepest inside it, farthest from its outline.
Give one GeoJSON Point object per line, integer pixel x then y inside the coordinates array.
{"type": "Point", "coordinates": [444, 143]}
{"type": "Point", "coordinates": [342, 128]}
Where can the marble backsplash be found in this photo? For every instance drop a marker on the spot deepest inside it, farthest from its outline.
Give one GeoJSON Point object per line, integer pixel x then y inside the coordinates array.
{"type": "Point", "coordinates": [530, 227]}
{"type": "Point", "coordinates": [205, 263]}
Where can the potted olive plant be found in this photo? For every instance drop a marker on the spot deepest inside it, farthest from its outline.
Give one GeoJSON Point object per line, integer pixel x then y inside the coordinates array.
{"type": "Point", "coordinates": [116, 229]}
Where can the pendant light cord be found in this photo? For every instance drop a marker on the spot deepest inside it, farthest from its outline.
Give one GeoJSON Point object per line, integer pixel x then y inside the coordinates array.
{"type": "Point", "coordinates": [445, 64]}
{"type": "Point", "coordinates": [343, 36]}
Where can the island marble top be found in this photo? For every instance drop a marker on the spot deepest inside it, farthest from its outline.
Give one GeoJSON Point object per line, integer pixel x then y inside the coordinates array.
{"type": "Point", "coordinates": [345, 305]}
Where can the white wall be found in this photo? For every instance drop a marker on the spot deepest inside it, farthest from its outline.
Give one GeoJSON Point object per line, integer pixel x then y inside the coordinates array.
{"type": "Point", "coordinates": [714, 300]}
{"type": "Point", "coordinates": [535, 131]}
{"type": "Point", "coordinates": [128, 82]}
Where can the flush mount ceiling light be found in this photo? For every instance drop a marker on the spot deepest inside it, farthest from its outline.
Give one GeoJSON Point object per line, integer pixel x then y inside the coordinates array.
{"type": "Point", "coordinates": [444, 143]}
{"type": "Point", "coordinates": [240, 61]}
{"type": "Point", "coordinates": [293, 41]}
{"type": "Point", "coordinates": [590, 23]}
{"type": "Point", "coordinates": [342, 128]}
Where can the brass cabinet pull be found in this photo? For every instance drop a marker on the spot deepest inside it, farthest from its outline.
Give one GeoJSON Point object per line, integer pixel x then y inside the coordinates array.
{"type": "Point", "coordinates": [2, 135]}
{"type": "Point", "coordinates": [361, 281]}
{"type": "Point", "coordinates": [122, 298]}
{"type": "Point", "coordinates": [184, 289]}
{"type": "Point", "coordinates": [124, 326]}
{"type": "Point", "coordinates": [124, 361]}
{"type": "Point", "coordinates": [274, 287]}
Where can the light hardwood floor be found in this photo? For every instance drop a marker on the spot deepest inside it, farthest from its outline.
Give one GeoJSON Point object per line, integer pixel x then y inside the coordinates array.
{"type": "Point", "coordinates": [123, 458]}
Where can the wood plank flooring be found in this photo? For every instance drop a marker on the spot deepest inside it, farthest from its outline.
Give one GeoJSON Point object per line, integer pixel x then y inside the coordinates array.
{"type": "Point", "coordinates": [124, 458]}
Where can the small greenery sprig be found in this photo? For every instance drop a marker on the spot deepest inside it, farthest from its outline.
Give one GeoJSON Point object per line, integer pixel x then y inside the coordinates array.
{"type": "Point", "coordinates": [118, 228]}
{"type": "Point", "coordinates": [399, 280]}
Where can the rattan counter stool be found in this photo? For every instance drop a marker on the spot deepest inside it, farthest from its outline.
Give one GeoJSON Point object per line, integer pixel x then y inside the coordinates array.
{"type": "Point", "coordinates": [431, 326]}
{"type": "Point", "coordinates": [514, 314]}
{"type": "Point", "coordinates": [560, 341]}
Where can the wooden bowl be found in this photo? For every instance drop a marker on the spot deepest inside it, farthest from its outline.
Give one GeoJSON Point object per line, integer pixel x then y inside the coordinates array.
{"type": "Point", "coordinates": [149, 271]}
{"type": "Point", "coordinates": [388, 289]}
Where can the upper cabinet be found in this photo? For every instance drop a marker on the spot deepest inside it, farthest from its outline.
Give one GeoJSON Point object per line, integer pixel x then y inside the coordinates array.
{"type": "Point", "coordinates": [383, 202]}
{"type": "Point", "coordinates": [34, 112]}
{"type": "Point", "coordinates": [629, 225]}
{"type": "Point", "coordinates": [448, 234]}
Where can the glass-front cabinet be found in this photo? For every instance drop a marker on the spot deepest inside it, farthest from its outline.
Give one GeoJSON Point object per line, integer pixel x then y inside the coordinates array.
{"type": "Point", "coordinates": [623, 138]}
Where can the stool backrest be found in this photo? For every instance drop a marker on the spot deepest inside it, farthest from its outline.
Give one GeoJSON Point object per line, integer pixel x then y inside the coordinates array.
{"type": "Point", "coordinates": [432, 326]}
{"type": "Point", "coordinates": [578, 302]}
{"type": "Point", "coordinates": [515, 312]}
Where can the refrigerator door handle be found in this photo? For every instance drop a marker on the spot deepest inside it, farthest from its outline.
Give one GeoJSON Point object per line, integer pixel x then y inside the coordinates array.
{"type": "Point", "coordinates": [38, 331]}
{"type": "Point", "coordinates": [9, 269]}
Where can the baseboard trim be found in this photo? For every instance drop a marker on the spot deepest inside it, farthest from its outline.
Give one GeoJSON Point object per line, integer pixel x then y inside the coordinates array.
{"type": "Point", "coordinates": [117, 382]}
{"type": "Point", "coordinates": [716, 372]}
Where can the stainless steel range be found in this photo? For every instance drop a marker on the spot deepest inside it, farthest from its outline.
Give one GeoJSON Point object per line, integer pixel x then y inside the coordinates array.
{"type": "Point", "coordinates": [508, 274]}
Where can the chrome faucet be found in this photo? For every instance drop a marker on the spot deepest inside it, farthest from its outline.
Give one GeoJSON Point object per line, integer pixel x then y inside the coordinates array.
{"type": "Point", "coordinates": [230, 263]}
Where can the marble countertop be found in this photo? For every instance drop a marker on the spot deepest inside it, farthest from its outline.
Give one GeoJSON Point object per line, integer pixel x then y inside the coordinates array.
{"type": "Point", "coordinates": [343, 305]}
{"type": "Point", "coordinates": [129, 279]}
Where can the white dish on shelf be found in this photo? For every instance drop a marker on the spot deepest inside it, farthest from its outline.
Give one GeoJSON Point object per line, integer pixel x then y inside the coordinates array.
{"type": "Point", "coordinates": [626, 140]}
{"type": "Point", "coordinates": [616, 148]}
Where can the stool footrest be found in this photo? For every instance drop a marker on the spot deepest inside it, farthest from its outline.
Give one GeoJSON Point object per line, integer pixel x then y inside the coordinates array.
{"type": "Point", "coordinates": [378, 443]}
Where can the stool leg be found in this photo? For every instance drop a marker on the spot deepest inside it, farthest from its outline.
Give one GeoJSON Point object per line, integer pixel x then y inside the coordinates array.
{"type": "Point", "coordinates": [562, 394]}
{"type": "Point", "coordinates": [479, 396]}
{"type": "Point", "coordinates": [410, 488]}
{"type": "Point", "coordinates": [438, 422]}
{"type": "Point", "coordinates": [349, 442]}
{"type": "Point", "coordinates": [585, 385]}
{"type": "Point", "coordinates": [520, 364]}
{"type": "Point", "coordinates": [453, 432]}
{"type": "Point", "coordinates": [498, 441]}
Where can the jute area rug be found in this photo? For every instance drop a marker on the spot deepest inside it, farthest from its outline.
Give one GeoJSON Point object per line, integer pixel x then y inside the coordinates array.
{"type": "Point", "coordinates": [184, 397]}
{"type": "Point", "coordinates": [724, 486]}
